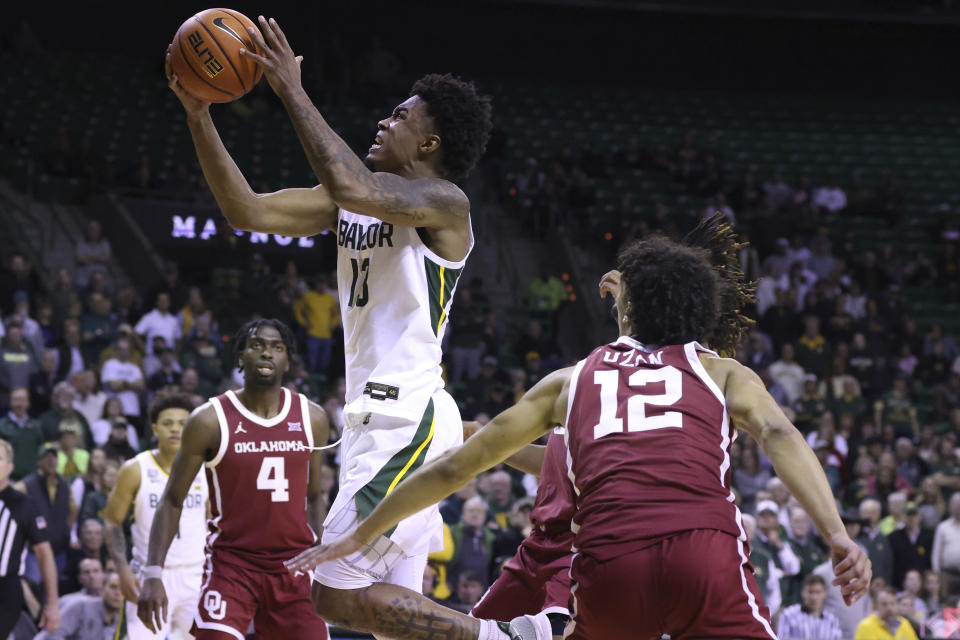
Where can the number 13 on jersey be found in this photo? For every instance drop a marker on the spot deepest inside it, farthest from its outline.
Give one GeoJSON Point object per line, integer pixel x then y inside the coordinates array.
{"type": "Point", "coordinates": [637, 418]}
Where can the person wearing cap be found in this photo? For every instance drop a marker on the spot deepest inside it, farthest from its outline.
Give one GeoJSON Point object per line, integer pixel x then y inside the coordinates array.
{"type": "Point", "coordinates": [912, 545]}
{"type": "Point", "coordinates": [61, 414]}
{"type": "Point", "coordinates": [159, 322]}
{"type": "Point", "coordinates": [771, 540]}
{"type": "Point", "coordinates": [54, 502]}
{"type": "Point", "coordinates": [72, 460]}
{"type": "Point", "coordinates": [21, 431]}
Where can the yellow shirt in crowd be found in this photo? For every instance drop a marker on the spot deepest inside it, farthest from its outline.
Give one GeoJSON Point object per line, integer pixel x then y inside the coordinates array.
{"type": "Point", "coordinates": [318, 313]}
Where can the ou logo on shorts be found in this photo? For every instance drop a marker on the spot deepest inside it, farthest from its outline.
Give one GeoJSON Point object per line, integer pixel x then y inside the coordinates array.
{"type": "Point", "coordinates": [215, 605]}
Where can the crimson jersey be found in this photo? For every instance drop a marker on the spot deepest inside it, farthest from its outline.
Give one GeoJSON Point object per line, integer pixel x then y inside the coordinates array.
{"type": "Point", "coordinates": [649, 443]}
{"type": "Point", "coordinates": [258, 484]}
{"type": "Point", "coordinates": [554, 506]}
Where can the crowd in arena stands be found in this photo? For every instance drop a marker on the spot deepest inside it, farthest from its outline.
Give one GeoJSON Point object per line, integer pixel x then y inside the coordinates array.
{"type": "Point", "coordinates": [836, 343]}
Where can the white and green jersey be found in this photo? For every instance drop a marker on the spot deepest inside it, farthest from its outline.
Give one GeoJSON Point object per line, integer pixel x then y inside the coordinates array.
{"type": "Point", "coordinates": [187, 547]}
{"type": "Point", "coordinates": [395, 297]}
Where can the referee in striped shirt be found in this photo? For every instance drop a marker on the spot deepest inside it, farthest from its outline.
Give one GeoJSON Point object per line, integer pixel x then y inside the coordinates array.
{"type": "Point", "coordinates": [20, 524]}
{"type": "Point", "coordinates": [808, 621]}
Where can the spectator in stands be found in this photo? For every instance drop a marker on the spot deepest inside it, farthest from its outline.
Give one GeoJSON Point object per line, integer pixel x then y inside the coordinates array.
{"type": "Point", "coordinates": [769, 540]}
{"type": "Point", "coordinates": [533, 340]}
{"type": "Point", "coordinates": [809, 621]}
{"type": "Point", "coordinates": [318, 312]}
{"type": "Point", "coordinates": [767, 287]}
{"type": "Point", "coordinates": [202, 354]}
{"type": "Point", "coordinates": [545, 294]}
{"type": "Point", "coordinates": [932, 506]}
{"type": "Point", "coordinates": [765, 571]}
{"type": "Point", "coordinates": [89, 618]}
{"type": "Point", "coordinates": [472, 542]}
{"type": "Point", "coordinates": [95, 497]}
{"type": "Point", "coordinates": [830, 198]}
{"type": "Point", "coordinates": [451, 509]}
{"type": "Point", "coordinates": [909, 466]}
{"type": "Point", "coordinates": [43, 380]}
{"type": "Point", "coordinates": [518, 528]}
{"type": "Point", "coordinates": [61, 415]}
{"type": "Point", "coordinates": [777, 191]}
{"type": "Point", "coordinates": [466, 337]}
{"type": "Point", "coordinates": [875, 541]}
{"type": "Point", "coordinates": [159, 322]}
{"type": "Point", "coordinates": [17, 360]}
{"type": "Point", "coordinates": [749, 476]}
{"type": "Point", "coordinates": [92, 254]}
{"type": "Point", "coordinates": [885, 621]}
{"type": "Point", "coordinates": [72, 460]}
{"type": "Point", "coordinates": [810, 406]}
{"type": "Point", "coordinates": [911, 545]}
{"type": "Point", "coordinates": [934, 368]}
{"type": "Point", "coordinates": [190, 384]}
{"type": "Point", "coordinates": [62, 294]}
{"type": "Point", "coordinates": [821, 262]}
{"type": "Point", "coordinates": [195, 307]}
{"type": "Point", "coordinates": [499, 498]}
{"type": "Point", "coordinates": [788, 373]}
{"type": "Point", "coordinates": [946, 549]}
{"type": "Point", "coordinates": [470, 586]}
{"type": "Point", "coordinates": [90, 578]}
{"type": "Point", "coordinates": [98, 328]}
{"type": "Point", "coordinates": [118, 447]}
{"type": "Point", "coordinates": [20, 277]}
{"type": "Point", "coordinates": [90, 535]}
{"type": "Point", "coordinates": [870, 274]}
{"type": "Point", "coordinates": [780, 321]}
{"type": "Point", "coordinates": [850, 616]}
{"type": "Point", "coordinates": [89, 480]}
{"type": "Point", "coordinates": [896, 409]}
{"type": "Point", "coordinates": [89, 399]}
{"type": "Point", "coordinates": [168, 373]}
{"type": "Point", "coordinates": [69, 353]}
{"type": "Point", "coordinates": [781, 259]}
{"type": "Point", "coordinates": [21, 431]}
{"type": "Point", "coordinates": [123, 378]}
{"type": "Point", "coordinates": [915, 608]}
{"type": "Point", "coordinates": [113, 414]}
{"type": "Point", "coordinates": [811, 347]}
{"type": "Point", "coordinates": [932, 591]}
{"type": "Point", "coordinates": [54, 502]}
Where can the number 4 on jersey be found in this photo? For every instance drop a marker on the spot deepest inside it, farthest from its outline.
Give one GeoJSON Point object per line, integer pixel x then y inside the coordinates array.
{"type": "Point", "coordinates": [637, 418]}
{"type": "Point", "coordinates": [271, 478]}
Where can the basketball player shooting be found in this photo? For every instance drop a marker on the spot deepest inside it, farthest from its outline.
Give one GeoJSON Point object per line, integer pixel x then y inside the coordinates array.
{"type": "Point", "coordinates": [258, 447]}
{"type": "Point", "coordinates": [649, 421]}
{"type": "Point", "coordinates": [403, 236]}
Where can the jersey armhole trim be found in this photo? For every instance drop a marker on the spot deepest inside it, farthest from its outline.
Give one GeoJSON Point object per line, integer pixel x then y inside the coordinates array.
{"type": "Point", "coordinates": [305, 417]}
{"type": "Point", "coordinates": [448, 264]}
{"type": "Point", "coordinates": [572, 390]}
{"type": "Point", "coordinates": [224, 433]}
{"type": "Point", "coordinates": [692, 349]}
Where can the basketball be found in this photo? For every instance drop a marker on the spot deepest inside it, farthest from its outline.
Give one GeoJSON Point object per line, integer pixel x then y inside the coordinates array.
{"type": "Point", "coordinates": [206, 58]}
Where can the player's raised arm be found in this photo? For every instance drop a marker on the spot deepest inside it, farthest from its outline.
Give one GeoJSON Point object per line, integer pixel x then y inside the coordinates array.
{"type": "Point", "coordinates": [118, 506]}
{"type": "Point", "coordinates": [536, 412]}
{"type": "Point", "coordinates": [419, 201]}
{"type": "Point", "coordinates": [755, 411]}
{"type": "Point", "coordinates": [289, 212]}
{"type": "Point", "coordinates": [201, 440]}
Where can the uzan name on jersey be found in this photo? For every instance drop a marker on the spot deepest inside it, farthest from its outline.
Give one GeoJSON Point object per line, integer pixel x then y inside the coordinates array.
{"type": "Point", "coordinates": [268, 446]}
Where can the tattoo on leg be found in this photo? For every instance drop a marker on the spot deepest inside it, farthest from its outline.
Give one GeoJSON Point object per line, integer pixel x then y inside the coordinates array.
{"type": "Point", "coordinates": [412, 616]}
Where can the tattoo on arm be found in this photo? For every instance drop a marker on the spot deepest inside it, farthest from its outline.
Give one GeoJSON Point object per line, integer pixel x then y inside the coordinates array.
{"type": "Point", "coordinates": [116, 544]}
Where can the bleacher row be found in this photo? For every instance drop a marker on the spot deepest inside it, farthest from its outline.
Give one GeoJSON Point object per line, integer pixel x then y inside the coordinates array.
{"type": "Point", "coordinates": [118, 110]}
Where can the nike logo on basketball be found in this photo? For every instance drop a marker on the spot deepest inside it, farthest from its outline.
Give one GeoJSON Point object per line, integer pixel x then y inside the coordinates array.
{"type": "Point", "coordinates": [218, 22]}
{"type": "Point", "coordinates": [240, 428]}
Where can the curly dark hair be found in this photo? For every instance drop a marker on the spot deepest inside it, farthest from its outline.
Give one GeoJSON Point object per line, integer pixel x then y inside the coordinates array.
{"type": "Point", "coordinates": [463, 118]}
{"type": "Point", "coordinates": [170, 400]}
{"type": "Point", "coordinates": [735, 292]}
{"type": "Point", "coordinates": [250, 329]}
{"type": "Point", "coordinates": [690, 290]}
{"type": "Point", "coordinates": [671, 289]}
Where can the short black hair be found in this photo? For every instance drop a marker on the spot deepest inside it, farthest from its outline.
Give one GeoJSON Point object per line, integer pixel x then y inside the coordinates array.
{"type": "Point", "coordinates": [671, 290]}
{"type": "Point", "coordinates": [813, 578]}
{"type": "Point", "coordinates": [169, 400]}
{"type": "Point", "coordinates": [250, 329]}
{"type": "Point", "coordinates": [463, 118]}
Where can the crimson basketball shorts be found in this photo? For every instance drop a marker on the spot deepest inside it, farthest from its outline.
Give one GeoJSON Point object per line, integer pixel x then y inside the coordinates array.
{"type": "Point", "coordinates": [278, 604]}
{"type": "Point", "coordinates": [697, 584]}
{"type": "Point", "coordinates": [531, 582]}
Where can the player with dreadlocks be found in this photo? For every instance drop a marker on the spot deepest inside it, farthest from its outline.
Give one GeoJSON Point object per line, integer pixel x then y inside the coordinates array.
{"type": "Point", "coordinates": [259, 447]}
{"type": "Point", "coordinates": [649, 420]}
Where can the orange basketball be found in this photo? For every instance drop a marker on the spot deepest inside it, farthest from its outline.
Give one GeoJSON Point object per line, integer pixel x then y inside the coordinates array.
{"type": "Point", "coordinates": [206, 56]}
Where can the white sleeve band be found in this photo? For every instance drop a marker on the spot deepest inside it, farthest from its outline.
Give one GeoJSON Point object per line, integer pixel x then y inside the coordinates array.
{"type": "Point", "coordinates": [152, 571]}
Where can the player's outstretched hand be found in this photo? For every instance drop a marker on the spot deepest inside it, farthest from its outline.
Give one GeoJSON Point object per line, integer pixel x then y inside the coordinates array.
{"type": "Point", "coordinates": [851, 568]}
{"type": "Point", "coordinates": [280, 65]}
{"type": "Point", "coordinates": [321, 553]}
{"type": "Point", "coordinates": [192, 105]}
{"type": "Point", "coordinates": [152, 608]}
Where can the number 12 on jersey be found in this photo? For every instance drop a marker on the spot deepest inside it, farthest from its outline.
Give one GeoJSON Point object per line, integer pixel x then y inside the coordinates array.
{"type": "Point", "coordinates": [637, 418]}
